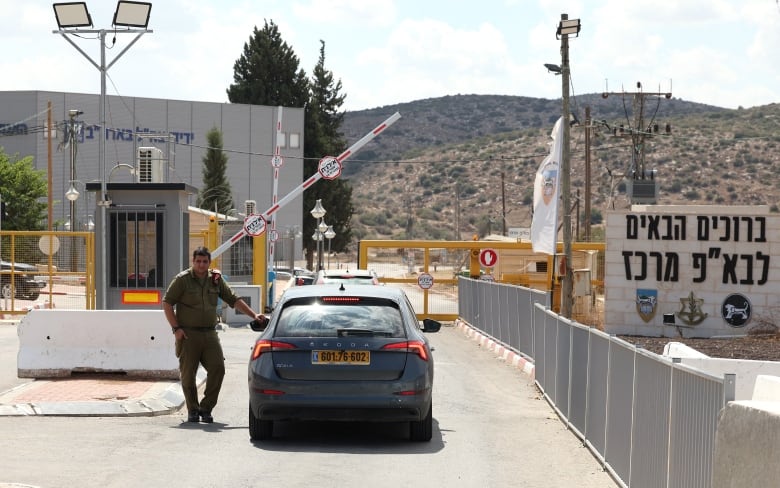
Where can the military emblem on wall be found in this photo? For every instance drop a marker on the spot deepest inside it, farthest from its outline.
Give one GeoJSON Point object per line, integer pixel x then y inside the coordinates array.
{"type": "Point", "coordinates": [736, 310]}
{"type": "Point", "coordinates": [646, 303]}
{"type": "Point", "coordinates": [690, 310]}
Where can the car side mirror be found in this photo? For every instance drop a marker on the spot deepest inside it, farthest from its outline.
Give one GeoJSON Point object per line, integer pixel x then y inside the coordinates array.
{"type": "Point", "coordinates": [430, 325]}
{"type": "Point", "coordinates": [259, 325]}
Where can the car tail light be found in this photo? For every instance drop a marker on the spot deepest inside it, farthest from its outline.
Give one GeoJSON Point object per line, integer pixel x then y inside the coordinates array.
{"type": "Point", "coordinates": [340, 299]}
{"type": "Point", "coordinates": [415, 347]}
{"type": "Point", "coordinates": [266, 345]}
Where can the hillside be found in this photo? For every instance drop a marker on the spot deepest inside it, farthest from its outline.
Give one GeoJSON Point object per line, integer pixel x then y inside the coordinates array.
{"type": "Point", "coordinates": [462, 151]}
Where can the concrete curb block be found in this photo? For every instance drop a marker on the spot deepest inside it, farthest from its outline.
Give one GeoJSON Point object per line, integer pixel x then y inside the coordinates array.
{"type": "Point", "coordinates": [510, 357]}
{"type": "Point", "coordinates": [165, 401]}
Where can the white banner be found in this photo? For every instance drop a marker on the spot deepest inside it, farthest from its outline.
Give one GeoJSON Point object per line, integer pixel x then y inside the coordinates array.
{"type": "Point", "coordinates": [544, 225]}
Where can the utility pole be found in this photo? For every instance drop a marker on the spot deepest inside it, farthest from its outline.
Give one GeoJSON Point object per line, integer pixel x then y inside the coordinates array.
{"type": "Point", "coordinates": [588, 129]}
{"type": "Point", "coordinates": [457, 211]}
{"type": "Point", "coordinates": [503, 205]}
{"type": "Point", "coordinates": [566, 28]}
{"type": "Point", "coordinates": [642, 181]}
{"type": "Point", "coordinates": [50, 211]}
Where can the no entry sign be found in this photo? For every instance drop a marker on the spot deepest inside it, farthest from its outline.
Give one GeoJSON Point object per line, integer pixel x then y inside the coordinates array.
{"type": "Point", "coordinates": [488, 258]}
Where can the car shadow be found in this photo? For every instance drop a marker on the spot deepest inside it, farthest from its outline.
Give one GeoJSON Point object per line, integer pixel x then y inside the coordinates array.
{"type": "Point", "coordinates": [349, 437]}
{"type": "Point", "coordinates": [212, 427]}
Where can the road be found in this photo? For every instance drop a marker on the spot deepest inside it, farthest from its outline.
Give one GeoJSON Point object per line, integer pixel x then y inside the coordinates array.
{"type": "Point", "coordinates": [491, 428]}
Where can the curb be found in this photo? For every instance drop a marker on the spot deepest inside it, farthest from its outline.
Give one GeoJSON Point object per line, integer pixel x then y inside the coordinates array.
{"type": "Point", "coordinates": [165, 400]}
{"type": "Point", "coordinates": [512, 358]}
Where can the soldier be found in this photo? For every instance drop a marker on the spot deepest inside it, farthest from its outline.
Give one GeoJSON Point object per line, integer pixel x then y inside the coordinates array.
{"type": "Point", "coordinates": [194, 293]}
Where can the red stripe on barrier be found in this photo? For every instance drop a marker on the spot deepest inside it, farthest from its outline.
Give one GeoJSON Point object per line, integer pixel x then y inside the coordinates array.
{"type": "Point", "coordinates": [380, 128]}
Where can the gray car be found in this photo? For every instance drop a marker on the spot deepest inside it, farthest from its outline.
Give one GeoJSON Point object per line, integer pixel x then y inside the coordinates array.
{"type": "Point", "coordinates": [18, 279]}
{"type": "Point", "coordinates": [342, 353]}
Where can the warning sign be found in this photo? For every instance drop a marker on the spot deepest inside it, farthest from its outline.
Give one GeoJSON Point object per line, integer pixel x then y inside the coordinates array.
{"type": "Point", "coordinates": [329, 168]}
{"type": "Point", "coordinates": [254, 225]}
{"type": "Point", "coordinates": [425, 281]}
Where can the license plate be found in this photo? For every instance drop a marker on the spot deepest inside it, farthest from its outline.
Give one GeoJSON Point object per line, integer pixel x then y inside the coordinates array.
{"type": "Point", "coordinates": [341, 357]}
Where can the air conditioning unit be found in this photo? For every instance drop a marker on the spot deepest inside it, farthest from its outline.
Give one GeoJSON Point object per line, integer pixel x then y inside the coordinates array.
{"type": "Point", "coordinates": [250, 207]}
{"type": "Point", "coordinates": [151, 165]}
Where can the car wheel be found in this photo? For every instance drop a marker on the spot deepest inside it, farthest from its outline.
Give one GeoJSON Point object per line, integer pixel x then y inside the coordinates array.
{"type": "Point", "coordinates": [7, 290]}
{"type": "Point", "coordinates": [259, 430]}
{"type": "Point", "coordinates": [422, 431]}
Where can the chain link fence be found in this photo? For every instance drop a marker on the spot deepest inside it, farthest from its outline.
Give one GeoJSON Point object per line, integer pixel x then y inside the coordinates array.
{"type": "Point", "coordinates": [46, 270]}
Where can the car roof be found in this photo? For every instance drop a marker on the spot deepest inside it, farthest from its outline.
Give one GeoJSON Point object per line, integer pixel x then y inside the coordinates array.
{"type": "Point", "coordinates": [387, 292]}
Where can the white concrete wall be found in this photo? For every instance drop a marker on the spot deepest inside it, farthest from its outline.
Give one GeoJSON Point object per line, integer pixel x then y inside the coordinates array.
{"type": "Point", "coordinates": [747, 437]}
{"type": "Point", "coordinates": [747, 371]}
{"type": "Point", "coordinates": [54, 343]}
{"type": "Point", "coordinates": [746, 445]}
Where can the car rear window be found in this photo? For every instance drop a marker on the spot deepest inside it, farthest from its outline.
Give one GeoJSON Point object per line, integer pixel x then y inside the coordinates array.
{"type": "Point", "coordinates": [348, 279]}
{"type": "Point", "coordinates": [321, 318]}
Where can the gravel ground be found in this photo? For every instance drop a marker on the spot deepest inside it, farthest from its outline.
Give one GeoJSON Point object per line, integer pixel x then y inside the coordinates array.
{"type": "Point", "coordinates": [764, 347]}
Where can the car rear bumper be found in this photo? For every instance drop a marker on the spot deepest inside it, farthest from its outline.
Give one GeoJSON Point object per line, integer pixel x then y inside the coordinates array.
{"type": "Point", "coordinates": [270, 412]}
{"type": "Point", "coordinates": [273, 407]}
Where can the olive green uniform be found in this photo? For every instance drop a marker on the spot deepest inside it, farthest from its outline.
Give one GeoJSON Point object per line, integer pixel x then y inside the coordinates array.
{"type": "Point", "coordinates": [195, 302]}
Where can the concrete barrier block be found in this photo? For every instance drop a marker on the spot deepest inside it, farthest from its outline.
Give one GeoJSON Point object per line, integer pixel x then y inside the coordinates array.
{"type": "Point", "coordinates": [747, 441]}
{"type": "Point", "coordinates": [767, 388]}
{"type": "Point", "coordinates": [680, 350]}
{"type": "Point", "coordinates": [57, 343]}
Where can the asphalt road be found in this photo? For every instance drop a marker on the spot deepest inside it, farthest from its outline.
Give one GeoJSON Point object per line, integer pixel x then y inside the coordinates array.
{"type": "Point", "coordinates": [491, 429]}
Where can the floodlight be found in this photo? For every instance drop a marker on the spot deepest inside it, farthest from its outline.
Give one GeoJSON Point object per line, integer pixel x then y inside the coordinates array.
{"type": "Point", "coordinates": [132, 14]}
{"type": "Point", "coordinates": [72, 14]}
{"type": "Point", "coordinates": [568, 26]}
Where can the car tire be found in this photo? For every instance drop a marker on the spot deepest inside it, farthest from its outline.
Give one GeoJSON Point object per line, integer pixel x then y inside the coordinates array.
{"type": "Point", "coordinates": [7, 290]}
{"type": "Point", "coordinates": [422, 431]}
{"type": "Point", "coordinates": [259, 430]}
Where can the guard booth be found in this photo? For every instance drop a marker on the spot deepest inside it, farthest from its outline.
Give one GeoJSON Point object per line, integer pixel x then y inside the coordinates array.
{"type": "Point", "coordinates": [146, 240]}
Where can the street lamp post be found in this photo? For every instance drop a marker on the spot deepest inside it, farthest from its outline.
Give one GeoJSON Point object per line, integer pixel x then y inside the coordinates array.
{"type": "Point", "coordinates": [566, 28]}
{"type": "Point", "coordinates": [321, 228]}
{"type": "Point", "coordinates": [329, 234]}
{"type": "Point", "coordinates": [318, 212]}
{"type": "Point", "coordinates": [72, 194]}
{"type": "Point", "coordinates": [72, 18]}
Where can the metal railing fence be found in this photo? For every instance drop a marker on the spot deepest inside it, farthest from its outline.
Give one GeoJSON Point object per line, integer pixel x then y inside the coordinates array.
{"type": "Point", "coordinates": [649, 420]}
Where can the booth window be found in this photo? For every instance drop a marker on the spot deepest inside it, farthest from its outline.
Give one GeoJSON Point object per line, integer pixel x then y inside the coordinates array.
{"type": "Point", "coordinates": [136, 249]}
{"type": "Point", "coordinates": [237, 261]}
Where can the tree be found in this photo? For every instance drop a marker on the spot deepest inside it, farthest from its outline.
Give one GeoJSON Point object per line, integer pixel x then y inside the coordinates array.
{"type": "Point", "coordinates": [21, 188]}
{"type": "Point", "coordinates": [216, 194]}
{"type": "Point", "coordinates": [267, 72]}
{"type": "Point", "coordinates": [323, 137]}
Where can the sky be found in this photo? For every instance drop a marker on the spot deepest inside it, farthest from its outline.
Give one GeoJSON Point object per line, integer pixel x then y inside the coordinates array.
{"type": "Point", "coordinates": [717, 52]}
